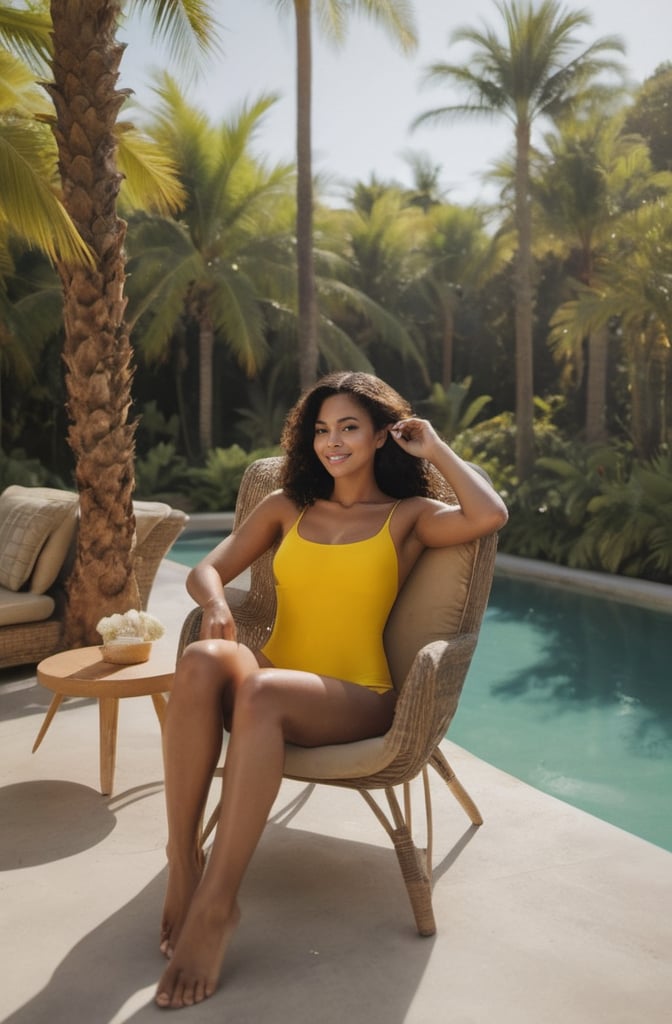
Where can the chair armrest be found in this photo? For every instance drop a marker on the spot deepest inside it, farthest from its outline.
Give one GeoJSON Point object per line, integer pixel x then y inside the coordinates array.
{"type": "Point", "coordinates": [427, 702]}
{"type": "Point", "coordinates": [250, 613]}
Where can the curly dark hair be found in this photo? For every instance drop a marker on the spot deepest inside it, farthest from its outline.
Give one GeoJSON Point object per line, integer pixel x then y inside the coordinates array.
{"type": "Point", "coordinates": [398, 474]}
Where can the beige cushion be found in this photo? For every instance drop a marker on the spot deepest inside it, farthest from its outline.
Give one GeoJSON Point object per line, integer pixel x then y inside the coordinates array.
{"type": "Point", "coordinates": [430, 605]}
{"type": "Point", "coordinates": [16, 608]}
{"type": "Point", "coordinates": [340, 760]}
{"type": "Point", "coordinates": [147, 515]}
{"type": "Point", "coordinates": [52, 556]}
{"type": "Point", "coordinates": [28, 516]}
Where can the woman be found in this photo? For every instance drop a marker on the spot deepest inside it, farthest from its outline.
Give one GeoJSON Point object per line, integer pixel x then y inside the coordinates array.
{"type": "Point", "coordinates": [354, 513]}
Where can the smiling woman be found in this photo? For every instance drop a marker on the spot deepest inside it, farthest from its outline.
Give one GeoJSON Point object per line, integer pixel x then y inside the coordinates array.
{"type": "Point", "coordinates": [350, 529]}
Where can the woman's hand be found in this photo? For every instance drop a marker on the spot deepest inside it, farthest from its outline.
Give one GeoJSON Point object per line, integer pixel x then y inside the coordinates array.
{"type": "Point", "coordinates": [217, 622]}
{"type": "Point", "coordinates": [416, 436]}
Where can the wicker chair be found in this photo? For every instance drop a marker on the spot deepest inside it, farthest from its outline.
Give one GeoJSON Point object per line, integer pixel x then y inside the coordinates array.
{"type": "Point", "coordinates": [430, 638]}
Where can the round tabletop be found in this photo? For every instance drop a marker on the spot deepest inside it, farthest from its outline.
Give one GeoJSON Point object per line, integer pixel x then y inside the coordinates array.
{"type": "Point", "coordinates": [83, 673]}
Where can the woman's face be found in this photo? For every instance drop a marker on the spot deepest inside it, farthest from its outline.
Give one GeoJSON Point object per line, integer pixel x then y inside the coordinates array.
{"type": "Point", "coordinates": [345, 439]}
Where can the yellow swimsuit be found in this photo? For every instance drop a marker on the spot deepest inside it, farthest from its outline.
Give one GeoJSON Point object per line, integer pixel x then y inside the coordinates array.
{"type": "Point", "coordinates": [333, 602]}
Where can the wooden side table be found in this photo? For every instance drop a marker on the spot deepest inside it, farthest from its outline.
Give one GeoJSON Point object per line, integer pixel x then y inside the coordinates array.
{"type": "Point", "coordinates": [83, 673]}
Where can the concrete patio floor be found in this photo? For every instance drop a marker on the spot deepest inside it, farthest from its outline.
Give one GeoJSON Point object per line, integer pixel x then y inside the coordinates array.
{"type": "Point", "coordinates": [545, 915]}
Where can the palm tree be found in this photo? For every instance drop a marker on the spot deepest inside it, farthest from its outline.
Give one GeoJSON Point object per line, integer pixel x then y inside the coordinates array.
{"type": "Point", "coordinates": [380, 239]}
{"type": "Point", "coordinates": [592, 175]}
{"type": "Point", "coordinates": [459, 256]}
{"type": "Point", "coordinates": [229, 251]}
{"type": "Point", "coordinates": [395, 16]}
{"type": "Point", "coordinates": [97, 352]}
{"type": "Point", "coordinates": [632, 290]}
{"type": "Point", "coordinates": [537, 70]}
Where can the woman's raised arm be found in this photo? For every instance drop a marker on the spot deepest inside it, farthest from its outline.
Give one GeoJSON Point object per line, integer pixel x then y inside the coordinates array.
{"type": "Point", "coordinates": [481, 510]}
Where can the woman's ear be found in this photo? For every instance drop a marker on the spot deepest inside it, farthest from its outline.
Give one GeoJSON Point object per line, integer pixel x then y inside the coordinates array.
{"type": "Point", "coordinates": [381, 437]}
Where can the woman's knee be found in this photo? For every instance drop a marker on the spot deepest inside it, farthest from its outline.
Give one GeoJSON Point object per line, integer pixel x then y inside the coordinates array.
{"type": "Point", "coordinates": [257, 693]}
{"type": "Point", "coordinates": [205, 663]}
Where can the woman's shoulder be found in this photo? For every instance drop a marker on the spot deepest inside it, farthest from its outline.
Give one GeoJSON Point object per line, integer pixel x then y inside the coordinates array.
{"type": "Point", "coordinates": [278, 506]}
{"type": "Point", "coordinates": [418, 504]}
{"type": "Point", "coordinates": [277, 502]}
{"type": "Point", "coordinates": [409, 511]}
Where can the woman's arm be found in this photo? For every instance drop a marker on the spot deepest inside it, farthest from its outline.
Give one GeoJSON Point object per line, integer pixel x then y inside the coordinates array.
{"type": "Point", "coordinates": [206, 581]}
{"type": "Point", "coordinates": [481, 510]}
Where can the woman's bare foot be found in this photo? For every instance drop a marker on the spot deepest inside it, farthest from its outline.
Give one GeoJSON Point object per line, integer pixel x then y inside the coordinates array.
{"type": "Point", "coordinates": [182, 884]}
{"type": "Point", "coordinates": [196, 963]}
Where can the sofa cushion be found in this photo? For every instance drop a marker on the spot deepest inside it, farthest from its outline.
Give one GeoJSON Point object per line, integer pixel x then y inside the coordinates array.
{"type": "Point", "coordinates": [52, 557]}
{"type": "Point", "coordinates": [430, 605]}
{"type": "Point", "coordinates": [28, 516]}
{"type": "Point", "coordinates": [24, 607]}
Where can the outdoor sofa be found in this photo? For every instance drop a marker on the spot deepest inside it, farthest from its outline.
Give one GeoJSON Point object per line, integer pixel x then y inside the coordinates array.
{"type": "Point", "coordinates": [38, 528]}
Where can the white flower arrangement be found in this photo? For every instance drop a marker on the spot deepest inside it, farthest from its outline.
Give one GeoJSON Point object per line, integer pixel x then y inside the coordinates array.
{"type": "Point", "coordinates": [132, 625]}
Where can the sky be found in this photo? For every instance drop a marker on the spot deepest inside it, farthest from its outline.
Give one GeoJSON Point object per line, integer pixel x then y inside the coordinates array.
{"type": "Point", "coordinates": [367, 92]}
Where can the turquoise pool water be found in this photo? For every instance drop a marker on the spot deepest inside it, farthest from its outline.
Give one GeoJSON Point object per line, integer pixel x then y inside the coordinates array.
{"type": "Point", "coordinates": [572, 694]}
{"type": "Point", "coordinates": [189, 548]}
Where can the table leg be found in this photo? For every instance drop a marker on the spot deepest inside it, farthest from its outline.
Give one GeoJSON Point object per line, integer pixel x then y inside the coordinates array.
{"type": "Point", "coordinates": [160, 704]}
{"type": "Point", "coordinates": [108, 716]}
{"type": "Point", "coordinates": [53, 708]}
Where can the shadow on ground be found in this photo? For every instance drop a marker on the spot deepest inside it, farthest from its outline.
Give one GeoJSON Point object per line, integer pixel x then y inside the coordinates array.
{"type": "Point", "coordinates": [327, 931]}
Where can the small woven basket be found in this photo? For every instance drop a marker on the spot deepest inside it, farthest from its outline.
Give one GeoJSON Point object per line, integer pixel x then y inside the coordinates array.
{"type": "Point", "coordinates": [126, 652]}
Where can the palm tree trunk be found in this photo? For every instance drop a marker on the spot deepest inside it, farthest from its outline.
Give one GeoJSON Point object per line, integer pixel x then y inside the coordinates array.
{"type": "Point", "coordinates": [447, 346]}
{"type": "Point", "coordinates": [524, 308]}
{"type": "Point", "coordinates": [596, 386]}
{"type": "Point", "coordinates": [180, 363]}
{"type": "Point", "coordinates": [97, 351]}
{"type": "Point", "coordinates": [308, 352]}
{"type": "Point", "coordinates": [206, 348]}
{"type": "Point", "coordinates": [650, 372]}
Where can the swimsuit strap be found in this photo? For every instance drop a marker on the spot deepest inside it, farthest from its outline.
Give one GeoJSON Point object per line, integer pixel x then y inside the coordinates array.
{"type": "Point", "coordinates": [297, 522]}
{"type": "Point", "coordinates": [392, 510]}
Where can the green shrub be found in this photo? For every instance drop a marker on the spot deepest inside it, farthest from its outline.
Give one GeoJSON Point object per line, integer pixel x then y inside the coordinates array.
{"type": "Point", "coordinates": [16, 468]}
{"type": "Point", "coordinates": [215, 485]}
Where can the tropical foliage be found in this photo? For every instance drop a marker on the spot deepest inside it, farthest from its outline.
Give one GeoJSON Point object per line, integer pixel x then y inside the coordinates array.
{"type": "Point", "coordinates": [536, 68]}
{"type": "Point", "coordinates": [407, 284]}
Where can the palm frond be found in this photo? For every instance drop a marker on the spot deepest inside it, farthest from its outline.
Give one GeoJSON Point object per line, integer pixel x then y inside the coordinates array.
{"type": "Point", "coordinates": [19, 92]}
{"type": "Point", "coordinates": [27, 34]}
{"type": "Point", "coordinates": [28, 202]}
{"type": "Point", "coordinates": [150, 177]}
{"type": "Point", "coordinates": [339, 350]}
{"type": "Point", "coordinates": [237, 313]}
{"type": "Point", "coordinates": [188, 28]}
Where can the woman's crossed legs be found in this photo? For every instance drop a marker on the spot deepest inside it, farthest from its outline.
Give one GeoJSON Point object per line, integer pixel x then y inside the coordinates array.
{"type": "Point", "coordinates": [217, 683]}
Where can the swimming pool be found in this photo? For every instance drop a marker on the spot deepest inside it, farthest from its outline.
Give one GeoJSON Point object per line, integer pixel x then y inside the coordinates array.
{"type": "Point", "coordinates": [190, 547]}
{"type": "Point", "coordinates": [571, 693]}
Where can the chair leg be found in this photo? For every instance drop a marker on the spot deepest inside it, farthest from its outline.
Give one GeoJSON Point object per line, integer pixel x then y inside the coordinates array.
{"type": "Point", "coordinates": [439, 763]}
{"type": "Point", "coordinates": [212, 821]}
{"type": "Point", "coordinates": [414, 863]}
{"type": "Point", "coordinates": [418, 884]}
